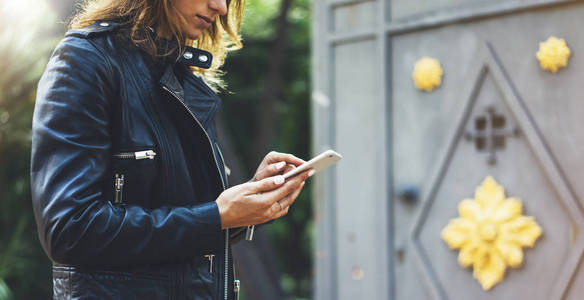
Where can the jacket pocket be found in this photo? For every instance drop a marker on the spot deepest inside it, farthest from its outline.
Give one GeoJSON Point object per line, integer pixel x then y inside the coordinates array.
{"type": "Point", "coordinates": [202, 281]}
{"type": "Point", "coordinates": [134, 174]}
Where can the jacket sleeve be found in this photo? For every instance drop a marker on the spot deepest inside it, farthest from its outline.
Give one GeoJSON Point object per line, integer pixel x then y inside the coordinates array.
{"type": "Point", "coordinates": [69, 159]}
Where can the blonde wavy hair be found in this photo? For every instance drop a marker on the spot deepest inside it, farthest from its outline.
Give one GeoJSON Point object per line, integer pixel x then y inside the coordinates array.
{"type": "Point", "coordinates": [139, 15]}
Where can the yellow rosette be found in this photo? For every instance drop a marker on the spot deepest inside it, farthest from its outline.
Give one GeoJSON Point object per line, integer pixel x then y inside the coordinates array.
{"type": "Point", "coordinates": [490, 233]}
{"type": "Point", "coordinates": [553, 54]}
{"type": "Point", "coordinates": [427, 74]}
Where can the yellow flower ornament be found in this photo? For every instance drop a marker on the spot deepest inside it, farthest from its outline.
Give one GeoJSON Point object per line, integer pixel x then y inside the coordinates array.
{"type": "Point", "coordinates": [553, 54]}
{"type": "Point", "coordinates": [427, 74]}
{"type": "Point", "coordinates": [490, 233]}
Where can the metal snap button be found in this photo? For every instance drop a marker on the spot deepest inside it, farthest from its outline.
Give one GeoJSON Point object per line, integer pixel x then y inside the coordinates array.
{"type": "Point", "coordinates": [203, 58]}
{"type": "Point", "coordinates": [104, 24]}
{"type": "Point", "coordinates": [188, 55]}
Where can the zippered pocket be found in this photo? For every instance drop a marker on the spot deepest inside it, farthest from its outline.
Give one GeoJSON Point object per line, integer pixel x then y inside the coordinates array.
{"type": "Point", "coordinates": [134, 174]}
{"type": "Point", "coordinates": [118, 189]}
{"type": "Point", "coordinates": [146, 154]}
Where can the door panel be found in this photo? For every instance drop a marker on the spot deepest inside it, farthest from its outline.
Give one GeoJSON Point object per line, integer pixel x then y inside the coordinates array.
{"type": "Point", "coordinates": [410, 157]}
{"type": "Point", "coordinates": [420, 128]}
{"type": "Point", "coordinates": [421, 124]}
{"type": "Point", "coordinates": [354, 16]}
{"type": "Point", "coordinates": [360, 179]}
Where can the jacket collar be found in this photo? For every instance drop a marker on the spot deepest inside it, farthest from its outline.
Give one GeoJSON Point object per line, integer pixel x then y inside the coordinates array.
{"type": "Point", "coordinates": [170, 82]}
{"type": "Point", "coordinates": [196, 57]}
{"type": "Point", "coordinates": [189, 56]}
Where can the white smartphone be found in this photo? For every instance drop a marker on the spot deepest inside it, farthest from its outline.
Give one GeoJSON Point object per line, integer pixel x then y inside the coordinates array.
{"type": "Point", "coordinates": [318, 163]}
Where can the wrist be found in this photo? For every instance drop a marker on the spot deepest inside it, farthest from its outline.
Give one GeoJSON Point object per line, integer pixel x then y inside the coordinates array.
{"type": "Point", "coordinates": [223, 213]}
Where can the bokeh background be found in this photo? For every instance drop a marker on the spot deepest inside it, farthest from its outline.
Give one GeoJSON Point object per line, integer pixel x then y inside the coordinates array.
{"type": "Point", "coordinates": [266, 108]}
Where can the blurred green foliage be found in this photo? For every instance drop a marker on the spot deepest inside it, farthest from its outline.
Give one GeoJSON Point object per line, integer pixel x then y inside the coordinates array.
{"type": "Point", "coordinates": [246, 74]}
{"type": "Point", "coordinates": [26, 39]}
{"type": "Point", "coordinates": [28, 33]}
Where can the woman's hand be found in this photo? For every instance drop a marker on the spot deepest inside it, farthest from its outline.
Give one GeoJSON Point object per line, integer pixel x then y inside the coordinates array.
{"type": "Point", "coordinates": [274, 163]}
{"type": "Point", "coordinates": [257, 202]}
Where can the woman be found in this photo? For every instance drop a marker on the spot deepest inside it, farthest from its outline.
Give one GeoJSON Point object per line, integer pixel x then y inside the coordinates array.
{"type": "Point", "coordinates": [128, 182]}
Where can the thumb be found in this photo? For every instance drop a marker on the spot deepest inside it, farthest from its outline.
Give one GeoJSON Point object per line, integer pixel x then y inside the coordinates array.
{"type": "Point", "coordinates": [266, 184]}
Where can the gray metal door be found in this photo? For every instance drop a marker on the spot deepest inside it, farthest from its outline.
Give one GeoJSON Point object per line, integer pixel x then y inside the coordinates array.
{"type": "Point", "coordinates": [411, 157]}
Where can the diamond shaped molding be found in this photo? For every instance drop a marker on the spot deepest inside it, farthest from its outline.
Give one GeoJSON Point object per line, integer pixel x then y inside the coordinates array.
{"type": "Point", "coordinates": [487, 62]}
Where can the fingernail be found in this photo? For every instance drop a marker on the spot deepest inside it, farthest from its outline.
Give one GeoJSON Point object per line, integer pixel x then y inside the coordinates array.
{"type": "Point", "coordinates": [279, 179]}
{"type": "Point", "coordinates": [280, 165]}
{"type": "Point", "coordinates": [311, 173]}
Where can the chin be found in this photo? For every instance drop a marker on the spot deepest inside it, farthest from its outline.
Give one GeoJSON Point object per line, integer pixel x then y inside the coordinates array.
{"type": "Point", "coordinates": [194, 34]}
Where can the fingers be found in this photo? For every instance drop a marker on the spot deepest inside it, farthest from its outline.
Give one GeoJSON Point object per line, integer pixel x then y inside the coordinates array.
{"type": "Point", "coordinates": [281, 213]}
{"type": "Point", "coordinates": [287, 201]}
{"type": "Point", "coordinates": [289, 167]}
{"type": "Point", "coordinates": [274, 157]}
{"type": "Point", "coordinates": [290, 186]}
{"type": "Point", "coordinates": [265, 185]}
{"type": "Point", "coordinates": [275, 209]}
{"type": "Point", "coordinates": [271, 170]}
{"type": "Point", "coordinates": [274, 162]}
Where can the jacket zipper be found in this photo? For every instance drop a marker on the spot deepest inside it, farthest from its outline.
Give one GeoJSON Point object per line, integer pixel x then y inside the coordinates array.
{"type": "Point", "coordinates": [225, 168]}
{"type": "Point", "coordinates": [150, 154]}
{"type": "Point", "coordinates": [118, 189]}
{"type": "Point", "coordinates": [226, 260]}
{"type": "Point", "coordinates": [119, 178]}
{"type": "Point", "coordinates": [226, 233]}
{"type": "Point", "coordinates": [236, 289]}
{"type": "Point", "coordinates": [236, 283]}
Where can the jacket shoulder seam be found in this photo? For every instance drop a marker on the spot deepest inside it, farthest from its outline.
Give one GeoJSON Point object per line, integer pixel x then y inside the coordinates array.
{"type": "Point", "coordinates": [92, 30]}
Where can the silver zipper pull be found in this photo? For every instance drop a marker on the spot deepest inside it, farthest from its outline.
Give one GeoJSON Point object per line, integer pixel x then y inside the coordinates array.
{"type": "Point", "coordinates": [249, 232]}
{"type": "Point", "coordinates": [118, 186]}
{"type": "Point", "coordinates": [210, 258]}
{"type": "Point", "coordinates": [236, 287]}
{"type": "Point", "coordinates": [145, 154]}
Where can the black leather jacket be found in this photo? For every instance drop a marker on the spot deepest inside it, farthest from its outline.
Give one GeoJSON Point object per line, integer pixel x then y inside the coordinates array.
{"type": "Point", "coordinates": [125, 169]}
